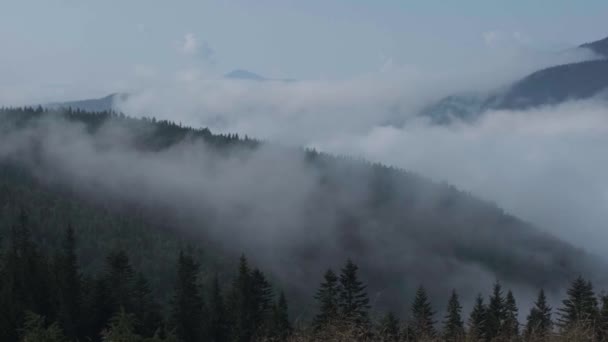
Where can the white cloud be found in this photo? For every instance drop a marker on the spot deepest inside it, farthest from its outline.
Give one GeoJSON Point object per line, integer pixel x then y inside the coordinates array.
{"type": "Point", "coordinates": [497, 38]}
{"type": "Point", "coordinates": [190, 45]}
{"type": "Point", "coordinates": [545, 165]}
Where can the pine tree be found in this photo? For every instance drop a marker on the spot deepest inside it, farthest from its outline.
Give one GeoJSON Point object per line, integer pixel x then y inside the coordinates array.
{"type": "Point", "coordinates": [145, 309]}
{"type": "Point", "coordinates": [602, 326]}
{"type": "Point", "coordinates": [26, 280]}
{"type": "Point", "coordinates": [327, 297]}
{"type": "Point", "coordinates": [453, 329]}
{"type": "Point", "coordinates": [262, 302]}
{"type": "Point", "coordinates": [388, 329]}
{"type": "Point", "coordinates": [120, 278]}
{"type": "Point", "coordinates": [510, 328]}
{"type": "Point", "coordinates": [242, 304]}
{"type": "Point", "coordinates": [98, 306]}
{"type": "Point", "coordinates": [188, 310]}
{"type": "Point", "coordinates": [353, 301]}
{"type": "Point", "coordinates": [580, 308]}
{"type": "Point", "coordinates": [121, 328]}
{"type": "Point", "coordinates": [35, 330]}
{"type": "Point", "coordinates": [477, 320]}
{"type": "Point", "coordinates": [218, 324]}
{"type": "Point", "coordinates": [281, 327]}
{"type": "Point", "coordinates": [69, 284]}
{"type": "Point", "coordinates": [422, 316]}
{"type": "Point", "coordinates": [495, 314]}
{"type": "Point", "coordinates": [539, 322]}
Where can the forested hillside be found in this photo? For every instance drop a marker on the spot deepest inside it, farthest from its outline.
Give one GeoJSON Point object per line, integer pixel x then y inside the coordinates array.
{"type": "Point", "coordinates": [152, 189]}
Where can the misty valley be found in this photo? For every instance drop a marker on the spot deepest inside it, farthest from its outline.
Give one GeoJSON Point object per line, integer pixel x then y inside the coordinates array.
{"type": "Point", "coordinates": [415, 177]}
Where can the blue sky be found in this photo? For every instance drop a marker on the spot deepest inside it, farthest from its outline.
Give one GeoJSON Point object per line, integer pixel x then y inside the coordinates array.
{"type": "Point", "coordinates": [74, 47]}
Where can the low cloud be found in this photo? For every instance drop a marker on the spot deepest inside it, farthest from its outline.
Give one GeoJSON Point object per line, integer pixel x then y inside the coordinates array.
{"type": "Point", "coordinates": [545, 165]}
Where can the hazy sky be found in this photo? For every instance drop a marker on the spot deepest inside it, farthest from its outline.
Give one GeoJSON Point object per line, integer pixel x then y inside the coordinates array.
{"type": "Point", "coordinates": [70, 48]}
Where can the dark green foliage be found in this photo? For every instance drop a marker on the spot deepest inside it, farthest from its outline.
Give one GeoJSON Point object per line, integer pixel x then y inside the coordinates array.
{"type": "Point", "coordinates": [262, 302]}
{"type": "Point", "coordinates": [145, 309]}
{"type": "Point", "coordinates": [281, 326]}
{"type": "Point", "coordinates": [26, 284]}
{"type": "Point", "coordinates": [539, 322]}
{"type": "Point", "coordinates": [218, 320]}
{"type": "Point", "coordinates": [477, 319]}
{"type": "Point", "coordinates": [352, 299]}
{"type": "Point", "coordinates": [69, 283]}
{"type": "Point", "coordinates": [422, 316]}
{"type": "Point", "coordinates": [121, 328]}
{"type": "Point", "coordinates": [580, 308]}
{"type": "Point", "coordinates": [510, 326]}
{"type": "Point", "coordinates": [187, 308]}
{"type": "Point", "coordinates": [602, 324]}
{"type": "Point", "coordinates": [453, 326]}
{"type": "Point", "coordinates": [495, 314]}
{"type": "Point", "coordinates": [98, 306]}
{"type": "Point", "coordinates": [242, 305]}
{"type": "Point", "coordinates": [35, 330]}
{"type": "Point", "coordinates": [388, 328]}
{"type": "Point", "coordinates": [120, 278]}
{"type": "Point", "coordinates": [327, 299]}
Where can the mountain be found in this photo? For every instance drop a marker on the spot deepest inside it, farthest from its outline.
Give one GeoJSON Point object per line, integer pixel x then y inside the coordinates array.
{"type": "Point", "coordinates": [240, 74]}
{"type": "Point", "coordinates": [600, 47]}
{"type": "Point", "coordinates": [553, 85]}
{"type": "Point", "coordinates": [105, 103]}
{"type": "Point", "coordinates": [153, 187]}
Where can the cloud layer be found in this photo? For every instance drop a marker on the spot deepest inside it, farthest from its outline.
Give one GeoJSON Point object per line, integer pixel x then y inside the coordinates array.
{"type": "Point", "coordinates": [545, 165]}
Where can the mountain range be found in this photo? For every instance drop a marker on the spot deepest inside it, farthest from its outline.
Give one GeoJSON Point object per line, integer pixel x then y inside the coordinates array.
{"type": "Point", "coordinates": [550, 86]}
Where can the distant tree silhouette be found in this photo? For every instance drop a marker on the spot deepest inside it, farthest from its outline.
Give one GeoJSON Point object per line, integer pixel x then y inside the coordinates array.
{"type": "Point", "coordinates": [453, 326]}
{"type": "Point", "coordinates": [422, 316]}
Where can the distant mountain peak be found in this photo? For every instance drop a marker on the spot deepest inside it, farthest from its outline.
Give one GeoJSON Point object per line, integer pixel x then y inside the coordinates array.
{"type": "Point", "coordinates": [242, 74]}
{"type": "Point", "coordinates": [600, 47]}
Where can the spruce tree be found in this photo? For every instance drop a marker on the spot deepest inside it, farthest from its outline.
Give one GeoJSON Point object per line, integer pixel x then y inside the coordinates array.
{"type": "Point", "coordinates": [477, 320]}
{"type": "Point", "coordinates": [327, 298]}
{"type": "Point", "coordinates": [242, 304]}
{"type": "Point", "coordinates": [262, 300]}
{"type": "Point", "coordinates": [510, 328]}
{"type": "Point", "coordinates": [580, 308]}
{"type": "Point", "coordinates": [120, 278]}
{"type": "Point", "coordinates": [495, 314]}
{"type": "Point", "coordinates": [539, 322]}
{"type": "Point", "coordinates": [218, 324]}
{"type": "Point", "coordinates": [121, 328]}
{"type": "Point", "coordinates": [602, 325]}
{"type": "Point", "coordinates": [453, 326]}
{"type": "Point", "coordinates": [187, 307]}
{"type": "Point", "coordinates": [26, 280]}
{"type": "Point", "coordinates": [69, 286]}
{"type": "Point", "coordinates": [388, 328]}
{"type": "Point", "coordinates": [35, 330]}
{"type": "Point", "coordinates": [281, 327]}
{"type": "Point", "coordinates": [145, 309]}
{"type": "Point", "coordinates": [422, 316]}
{"type": "Point", "coordinates": [98, 306]}
{"type": "Point", "coordinates": [353, 301]}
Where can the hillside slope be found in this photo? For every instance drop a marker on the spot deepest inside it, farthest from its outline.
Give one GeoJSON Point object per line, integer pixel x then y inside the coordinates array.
{"type": "Point", "coordinates": [550, 86]}
{"type": "Point", "coordinates": [293, 212]}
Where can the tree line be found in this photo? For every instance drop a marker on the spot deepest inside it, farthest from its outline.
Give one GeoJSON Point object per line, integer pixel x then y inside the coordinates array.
{"type": "Point", "coordinates": [46, 297]}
